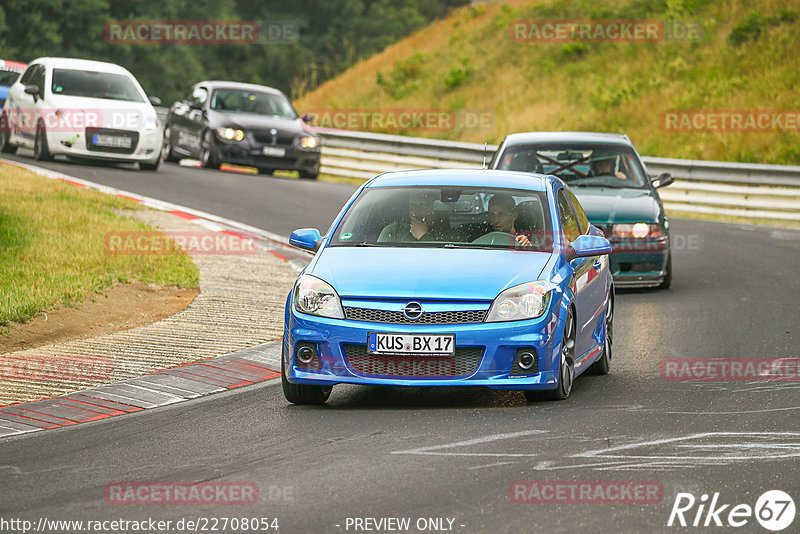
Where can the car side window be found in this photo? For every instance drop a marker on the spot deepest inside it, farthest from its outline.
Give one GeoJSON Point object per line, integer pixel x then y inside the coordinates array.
{"type": "Point", "coordinates": [569, 224]}
{"type": "Point", "coordinates": [26, 78]}
{"type": "Point", "coordinates": [583, 220]}
{"type": "Point", "coordinates": [199, 95]}
{"type": "Point", "coordinates": [38, 78]}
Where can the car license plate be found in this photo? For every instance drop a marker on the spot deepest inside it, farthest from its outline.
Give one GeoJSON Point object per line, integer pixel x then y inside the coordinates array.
{"type": "Point", "coordinates": [112, 141]}
{"type": "Point", "coordinates": [427, 344]}
{"type": "Point", "coordinates": [274, 151]}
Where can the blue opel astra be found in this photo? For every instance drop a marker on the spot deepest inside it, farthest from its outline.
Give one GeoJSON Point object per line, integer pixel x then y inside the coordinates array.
{"type": "Point", "coordinates": [451, 278]}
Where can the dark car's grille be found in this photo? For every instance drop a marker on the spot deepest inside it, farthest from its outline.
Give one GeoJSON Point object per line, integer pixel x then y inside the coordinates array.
{"type": "Point", "coordinates": [108, 132]}
{"type": "Point", "coordinates": [464, 362]}
{"type": "Point", "coordinates": [281, 138]}
{"type": "Point", "coordinates": [393, 317]}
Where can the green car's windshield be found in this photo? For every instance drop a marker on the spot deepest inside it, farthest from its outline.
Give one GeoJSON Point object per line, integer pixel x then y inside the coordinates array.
{"type": "Point", "coordinates": [447, 217]}
{"type": "Point", "coordinates": [579, 165]}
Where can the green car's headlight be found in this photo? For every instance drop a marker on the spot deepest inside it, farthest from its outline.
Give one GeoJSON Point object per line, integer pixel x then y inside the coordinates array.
{"type": "Point", "coordinates": [525, 301]}
{"type": "Point", "coordinates": [313, 296]}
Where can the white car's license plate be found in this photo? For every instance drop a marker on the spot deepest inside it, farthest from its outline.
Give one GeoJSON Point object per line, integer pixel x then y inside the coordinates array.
{"type": "Point", "coordinates": [432, 344]}
{"type": "Point", "coordinates": [274, 151]}
{"type": "Point", "coordinates": [112, 141]}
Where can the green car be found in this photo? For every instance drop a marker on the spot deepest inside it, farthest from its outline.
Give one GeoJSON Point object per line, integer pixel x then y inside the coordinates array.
{"type": "Point", "coordinates": [611, 182]}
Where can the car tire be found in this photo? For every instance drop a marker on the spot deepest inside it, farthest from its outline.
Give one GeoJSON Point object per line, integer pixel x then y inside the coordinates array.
{"type": "Point", "coordinates": [208, 157]}
{"type": "Point", "coordinates": [668, 276]}
{"type": "Point", "coordinates": [566, 366]}
{"type": "Point", "coordinates": [147, 166]}
{"type": "Point", "coordinates": [603, 364]}
{"type": "Point", "coordinates": [302, 393]}
{"type": "Point", "coordinates": [309, 175]}
{"type": "Point", "coordinates": [41, 151]}
{"type": "Point", "coordinates": [5, 137]}
{"type": "Point", "coordinates": [166, 149]}
{"type": "Point", "coordinates": [266, 171]}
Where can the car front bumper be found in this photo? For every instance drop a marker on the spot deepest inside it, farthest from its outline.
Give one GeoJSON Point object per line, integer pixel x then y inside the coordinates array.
{"type": "Point", "coordinates": [640, 264]}
{"type": "Point", "coordinates": [251, 154]}
{"type": "Point", "coordinates": [497, 344]}
{"type": "Point", "coordinates": [74, 144]}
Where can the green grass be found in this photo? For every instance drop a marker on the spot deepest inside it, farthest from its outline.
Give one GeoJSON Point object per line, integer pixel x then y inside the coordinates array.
{"type": "Point", "coordinates": [52, 252]}
{"type": "Point", "coordinates": [747, 58]}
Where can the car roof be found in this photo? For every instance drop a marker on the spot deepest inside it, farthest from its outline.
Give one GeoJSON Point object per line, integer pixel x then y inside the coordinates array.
{"type": "Point", "coordinates": [567, 137]}
{"type": "Point", "coordinates": [81, 64]}
{"type": "Point", "coordinates": [464, 178]}
{"type": "Point", "coordinates": [217, 84]}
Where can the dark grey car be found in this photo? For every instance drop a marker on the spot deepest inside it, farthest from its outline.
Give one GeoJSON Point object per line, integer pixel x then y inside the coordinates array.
{"type": "Point", "coordinates": [242, 124]}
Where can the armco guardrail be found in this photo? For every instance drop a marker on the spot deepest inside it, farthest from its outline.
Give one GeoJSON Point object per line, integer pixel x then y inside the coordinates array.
{"type": "Point", "coordinates": [711, 187]}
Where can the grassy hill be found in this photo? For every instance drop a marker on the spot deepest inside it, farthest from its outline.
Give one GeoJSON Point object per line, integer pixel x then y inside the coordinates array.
{"type": "Point", "coordinates": [745, 56]}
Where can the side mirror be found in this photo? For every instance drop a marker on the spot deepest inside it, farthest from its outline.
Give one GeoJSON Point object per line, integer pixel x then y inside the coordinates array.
{"type": "Point", "coordinates": [155, 101]}
{"type": "Point", "coordinates": [33, 90]}
{"type": "Point", "coordinates": [196, 105]}
{"type": "Point", "coordinates": [306, 239]}
{"type": "Point", "coordinates": [308, 119]}
{"type": "Point", "coordinates": [588, 245]}
{"type": "Point", "coordinates": [663, 179]}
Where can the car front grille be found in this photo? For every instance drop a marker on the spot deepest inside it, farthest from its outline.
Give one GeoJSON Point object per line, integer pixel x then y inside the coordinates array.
{"type": "Point", "coordinates": [395, 317]}
{"type": "Point", "coordinates": [281, 138]}
{"type": "Point", "coordinates": [463, 363]}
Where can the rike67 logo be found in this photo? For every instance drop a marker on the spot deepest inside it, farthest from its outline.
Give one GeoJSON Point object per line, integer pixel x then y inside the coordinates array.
{"type": "Point", "coordinates": [774, 510]}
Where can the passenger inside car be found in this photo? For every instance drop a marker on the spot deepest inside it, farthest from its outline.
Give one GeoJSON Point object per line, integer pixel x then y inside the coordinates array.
{"type": "Point", "coordinates": [421, 225]}
{"type": "Point", "coordinates": [503, 215]}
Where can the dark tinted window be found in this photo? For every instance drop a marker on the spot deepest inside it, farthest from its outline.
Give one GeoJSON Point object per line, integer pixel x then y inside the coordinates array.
{"type": "Point", "coordinates": [583, 221]}
{"type": "Point", "coordinates": [569, 224]}
{"type": "Point", "coordinates": [8, 77]}
{"type": "Point", "coordinates": [26, 78]}
{"type": "Point", "coordinates": [92, 84]}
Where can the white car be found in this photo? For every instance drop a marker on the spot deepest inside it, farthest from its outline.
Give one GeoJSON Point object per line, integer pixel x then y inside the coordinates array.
{"type": "Point", "coordinates": [81, 109]}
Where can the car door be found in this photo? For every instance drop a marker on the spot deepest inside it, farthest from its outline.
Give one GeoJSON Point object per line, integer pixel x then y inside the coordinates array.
{"type": "Point", "coordinates": [597, 275]}
{"type": "Point", "coordinates": [186, 124]}
{"type": "Point", "coordinates": [25, 107]}
{"type": "Point", "coordinates": [582, 275]}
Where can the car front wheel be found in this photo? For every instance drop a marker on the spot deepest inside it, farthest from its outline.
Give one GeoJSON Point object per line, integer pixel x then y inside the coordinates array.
{"type": "Point", "coordinates": [208, 155]}
{"type": "Point", "coordinates": [302, 393]}
{"type": "Point", "coordinates": [41, 151]}
{"type": "Point", "coordinates": [5, 137]}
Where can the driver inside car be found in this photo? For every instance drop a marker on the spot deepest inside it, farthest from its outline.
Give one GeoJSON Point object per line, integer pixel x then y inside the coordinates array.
{"type": "Point", "coordinates": [604, 166]}
{"type": "Point", "coordinates": [422, 224]}
{"type": "Point", "coordinates": [503, 215]}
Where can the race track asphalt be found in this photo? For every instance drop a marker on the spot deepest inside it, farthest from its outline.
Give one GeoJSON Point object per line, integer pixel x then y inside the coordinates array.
{"type": "Point", "coordinates": [416, 453]}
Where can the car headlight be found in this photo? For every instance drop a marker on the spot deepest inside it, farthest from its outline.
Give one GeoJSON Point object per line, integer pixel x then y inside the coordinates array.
{"type": "Point", "coordinates": [150, 124]}
{"type": "Point", "coordinates": [636, 231]}
{"type": "Point", "coordinates": [230, 134]}
{"type": "Point", "coordinates": [525, 301]}
{"type": "Point", "coordinates": [313, 296]}
{"type": "Point", "coordinates": [308, 142]}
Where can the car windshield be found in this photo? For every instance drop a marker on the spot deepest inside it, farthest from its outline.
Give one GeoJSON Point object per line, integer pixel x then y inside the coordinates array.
{"type": "Point", "coordinates": [8, 77]}
{"type": "Point", "coordinates": [237, 101]}
{"type": "Point", "coordinates": [580, 165]}
{"type": "Point", "coordinates": [447, 217]}
{"type": "Point", "coordinates": [92, 84]}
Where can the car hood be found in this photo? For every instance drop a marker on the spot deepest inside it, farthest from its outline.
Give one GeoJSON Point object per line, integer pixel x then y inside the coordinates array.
{"type": "Point", "coordinates": [425, 273]}
{"type": "Point", "coordinates": [249, 121]}
{"type": "Point", "coordinates": [607, 205]}
{"type": "Point", "coordinates": [116, 114]}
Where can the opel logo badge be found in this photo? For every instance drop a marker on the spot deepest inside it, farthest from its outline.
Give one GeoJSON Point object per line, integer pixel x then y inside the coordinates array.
{"type": "Point", "coordinates": [413, 310]}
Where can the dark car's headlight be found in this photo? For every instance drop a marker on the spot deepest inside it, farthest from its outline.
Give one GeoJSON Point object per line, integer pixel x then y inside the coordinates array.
{"type": "Point", "coordinates": [309, 142]}
{"type": "Point", "coordinates": [230, 134]}
{"type": "Point", "coordinates": [316, 297]}
{"type": "Point", "coordinates": [525, 301]}
{"type": "Point", "coordinates": [636, 231]}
